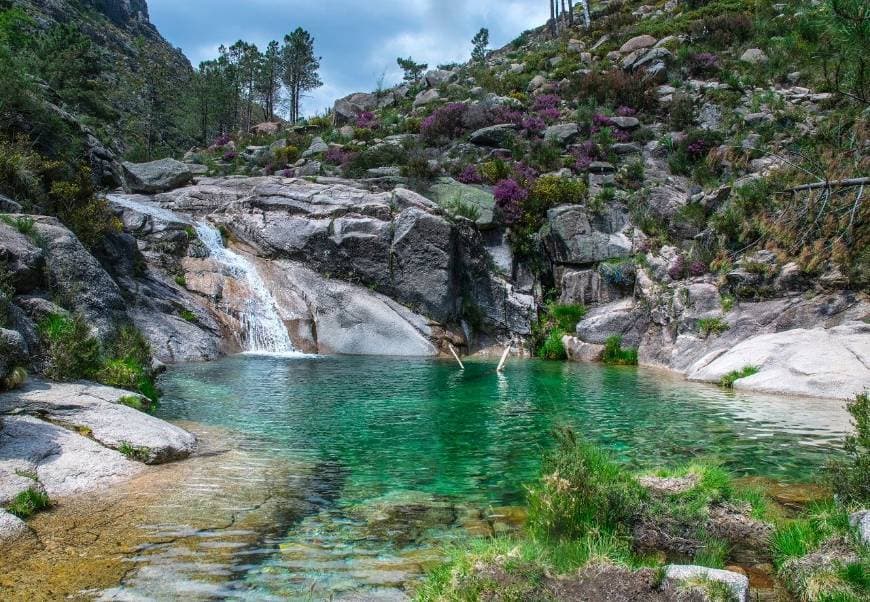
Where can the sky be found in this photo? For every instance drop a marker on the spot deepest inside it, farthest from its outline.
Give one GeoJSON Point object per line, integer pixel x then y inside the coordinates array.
{"type": "Point", "coordinates": [358, 41]}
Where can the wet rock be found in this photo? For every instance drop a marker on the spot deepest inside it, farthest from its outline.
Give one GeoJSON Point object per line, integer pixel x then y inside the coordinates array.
{"type": "Point", "coordinates": [97, 412]}
{"type": "Point", "coordinates": [156, 176]}
{"type": "Point", "coordinates": [677, 575]}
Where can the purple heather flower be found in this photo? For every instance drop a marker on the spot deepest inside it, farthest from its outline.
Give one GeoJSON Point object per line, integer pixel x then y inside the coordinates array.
{"type": "Point", "coordinates": [470, 175]}
{"type": "Point", "coordinates": [599, 120]}
{"type": "Point", "coordinates": [508, 197]}
{"type": "Point", "coordinates": [550, 115]}
{"type": "Point", "coordinates": [697, 268]}
{"type": "Point", "coordinates": [624, 111]}
{"type": "Point", "coordinates": [230, 156]}
{"type": "Point", "coordinates": [621, 135]}
{"type": "Point", "coordinates": [367, 120]}
{"type": "Point", "coordinates": [534, 124]}
{"type": "Point", "coordinates": [546, 101]}
{"type": "Point", "coordinates": [446, 121]}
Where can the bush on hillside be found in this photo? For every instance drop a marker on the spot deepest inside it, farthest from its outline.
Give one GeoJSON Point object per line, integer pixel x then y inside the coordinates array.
{"type": "Point", "coordinates": [850, 478]}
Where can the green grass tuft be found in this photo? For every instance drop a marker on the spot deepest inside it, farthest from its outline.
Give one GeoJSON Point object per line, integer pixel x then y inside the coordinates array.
{"type": "Point", "coordinates": [28, 502]}
{"type": "Point", "coordinates": [729, 379]}
{"type": "Point", "coordinates": [615, 354]}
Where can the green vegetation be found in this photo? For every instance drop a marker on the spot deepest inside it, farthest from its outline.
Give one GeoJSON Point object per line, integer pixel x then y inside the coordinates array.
{"type": "Point", "coordinates": [615, 354]}
{"type": "Point", "coordinates": [15, 379]}
{"type": "Point", "coordinates": [188, 315]}
{"type": "Point", "coordinates": [715, 326]}
{"type": "Point", "coordinates": [850, 478]}
{"type": "Point", "coordinates": [555, 323]}
{"type": "Point", "coordinates": [582, 491]}
{"type": "Point", "coordinates": [729, 379]}
{"type": "Point", "coordinates": [133, 452]}
{"type": "Point", "coordinates": [28, 502]}
{"type": "Point", "coordinates": [73, 353]}
{"type": "Point", "coordinates": [136, 402]}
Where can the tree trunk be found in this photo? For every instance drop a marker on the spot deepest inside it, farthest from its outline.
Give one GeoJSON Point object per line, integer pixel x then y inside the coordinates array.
{"type": "Point", "coordinates": [553, 17]}
{"type": "Point", "coordinates": [571, 12]}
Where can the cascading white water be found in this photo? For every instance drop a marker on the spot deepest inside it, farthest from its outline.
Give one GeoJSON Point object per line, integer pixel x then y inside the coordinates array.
{"type": "Point", "coordinates": [262, 328]}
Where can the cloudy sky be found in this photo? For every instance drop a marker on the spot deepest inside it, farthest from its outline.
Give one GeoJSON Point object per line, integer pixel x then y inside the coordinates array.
{"type": "Point", "coordinates": [358, 40]}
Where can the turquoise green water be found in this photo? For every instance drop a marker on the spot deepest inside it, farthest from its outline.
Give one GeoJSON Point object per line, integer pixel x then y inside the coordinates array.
{"type": "Point", "coordinates": [406, 451]}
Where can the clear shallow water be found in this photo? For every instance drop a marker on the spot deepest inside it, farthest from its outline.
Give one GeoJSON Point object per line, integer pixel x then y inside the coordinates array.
{"type": "Point", "coordinates": [402, 454]}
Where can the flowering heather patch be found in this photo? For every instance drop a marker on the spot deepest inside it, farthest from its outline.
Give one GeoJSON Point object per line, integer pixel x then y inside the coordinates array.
{"type": "Point", "coordinates": [624, 111]}
{"type": "Point", "coordinates": [534, 124]}
{"type": "Point", "coordinates": [367, 120]}
{"type": "Point", "coordinates": [545, 102]}
{"type": "Point", "coordinates": [222, 140]}
{"type": "Point", "coordinates": [507, 115]}
{"type": "Point", "coordinates": [621, 135]}
{"type": "Point", "coordinates": [508, 198]}
{"type": "Point", "coordinates": [584, 154]}
{"type": "Point", "coordinates": [703, 63]}
{"type": "Point", "coordinates": [269, 170]}
{"type": "Point", "coordinates": [600, 120]}
{"type": "Point", "coordinates": [336, 156]}
{"type": "Point", "coordinates": [550, 115]}
{"type": "Point", "coordinates": [287, 173]}
{"type": "Point", "coordinates": [698, 148]}
{"type": "Point", "coordinates": [470, 175]}
{"type": "Point", "coordinates": [697, 268]}
{"type": "Point", "coordinates": [524, 174]}
{"type": "Point", "coordinates": [230, 156]}
{"type": "Point", "coordinates": [444, 122]}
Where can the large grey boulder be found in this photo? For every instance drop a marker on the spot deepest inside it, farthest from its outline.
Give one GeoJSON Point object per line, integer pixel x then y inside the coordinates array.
{"type": "Point", "coordinates": [586, 287]}
{"type": "Point", "coordinates": [426, 97]}
{"type": "Point", "coordinates": [816, 362]}
{"type": "Point", "coordinates": [156, 176]}
{"type": "Point", "coordinates": [447, 192]}
{"type": "Point", "coordinates": [11, 527]}
{"type": "Point", "coordinates": [676, 576]}
{"type": "Point", "coordinates": [575, 237]}
{"type": "Point", "coordinates": [78, 279]}
{"type": "Point", "coordinates": [13, 351]}
{"type": "Point", "coordinates": [620, 318]}
{"type": "Point", "coordinates": [22, 258]}
{"type": "Point", "coordinates": [496, 136]}
{"type": "Point", "coordinates": [97, 410]}
{"type": "Point", "coordinates": [64, 462]}
{"type": "Point", "coordinates": [437, 77]}
{"type": "Point", "coordinates": [562, 133]}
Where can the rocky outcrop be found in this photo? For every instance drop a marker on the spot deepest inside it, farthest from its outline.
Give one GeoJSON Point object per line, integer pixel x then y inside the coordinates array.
{"type": "Point", "coordinates": [678, 575]}
{"type": "Point", "coordinates": [816, 362]}
{"type": "Point", "coordinates": [97, 411]}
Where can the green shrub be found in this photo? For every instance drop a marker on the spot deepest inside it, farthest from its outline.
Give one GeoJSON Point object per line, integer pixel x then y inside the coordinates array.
{"type": "Point", "coordinates": [187, 315]}
{"type": "Point", "coordinates": [708, 326]}
{"type": "Point", "coordinates": [459, 208]}
{"type": "Point", "coordinates": [553, 348]}
{"type": "Point", "coordinates": [28, 502]}
{"type": "Point", "coordinates": [567, 316]}
{"type": "Point", "coordinates": [72, 353]}
{"type": "Point", "coordinates": [615, 354]}
{"type": "Point", "coordinates": [180, 280]}
{"type": "Point", "coordinates": [134, 452]}
{"type": "Point", "coordinates": [15, 379]}
{"type": "Point", "coordinates": [850, 478]}
{"type": "Point", "coordinates": [581, 491]}
{"type": "Point", "coordinates": [728, 380]}
{"type": "Point", "coordinates": [137, 403]}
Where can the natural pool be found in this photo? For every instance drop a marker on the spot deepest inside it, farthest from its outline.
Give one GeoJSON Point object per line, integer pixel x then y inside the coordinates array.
{"type": "Point", "coordinates": [403, 454]}
{"type": "Point", "coordinates": [340, 478]}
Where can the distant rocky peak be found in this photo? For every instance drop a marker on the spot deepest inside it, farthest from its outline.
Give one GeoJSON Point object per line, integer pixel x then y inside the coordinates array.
{"type": "Point", "coordinates": [122, 12]}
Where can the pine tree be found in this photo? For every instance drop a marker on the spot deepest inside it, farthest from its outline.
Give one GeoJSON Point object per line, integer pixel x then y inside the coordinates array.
{"type": "Point", "coordinates": [413, 71]}
{"type": "Point", "coordinates": [301, 67]}
{"type": "Point", "coordinates": [269, 79]}
{"type": "Point", "coordinates": [480, 42]}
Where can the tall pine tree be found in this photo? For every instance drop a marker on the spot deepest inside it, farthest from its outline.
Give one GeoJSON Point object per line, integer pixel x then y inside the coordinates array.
{"type": "Point", "coordinates": [301, 67]}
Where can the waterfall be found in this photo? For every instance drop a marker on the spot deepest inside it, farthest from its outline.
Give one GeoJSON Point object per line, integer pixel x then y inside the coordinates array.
{"type": "Point", "coordinates": [262, 330]}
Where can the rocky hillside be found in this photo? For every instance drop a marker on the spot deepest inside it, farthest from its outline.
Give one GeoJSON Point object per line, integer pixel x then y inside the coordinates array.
{"type": "Point", "coordinates": [673, 186]}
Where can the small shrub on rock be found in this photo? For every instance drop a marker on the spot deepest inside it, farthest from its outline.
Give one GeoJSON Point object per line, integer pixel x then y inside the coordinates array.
{"type": "Point", "coordinates": [28, 502]}
{"type": "Point", "coordinates": [72, 353]}
{"type": "Point", "coordinates": [444, 123]}
{"type": "Point", "coordinates": [850, 478]}
{"type": "Point", "coordinates": [615, 354]}
{"type": "Point", "coordinates": [729, 379]}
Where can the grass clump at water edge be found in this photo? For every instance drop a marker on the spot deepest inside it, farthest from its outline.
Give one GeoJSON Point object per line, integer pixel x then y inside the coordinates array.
{"type": "Point", "coordinates": [615, 354]}
{"type": "Point", "coordinates": [28, 502]}
{"type": "Point", "coordinates": [729, 379]}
